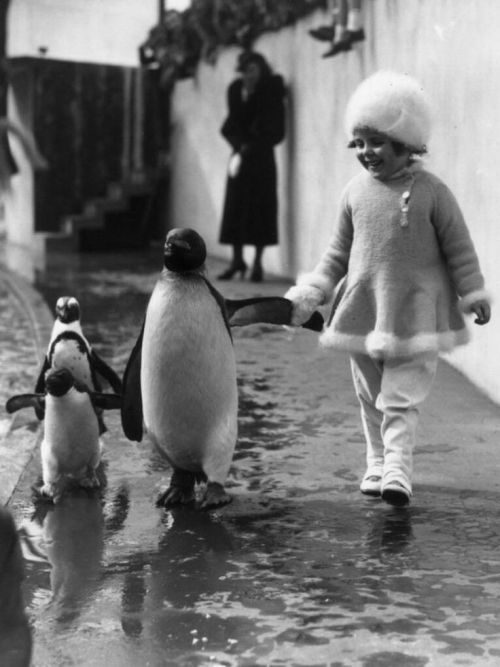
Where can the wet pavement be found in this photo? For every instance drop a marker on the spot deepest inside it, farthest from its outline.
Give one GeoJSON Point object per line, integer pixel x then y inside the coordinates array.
{"type": "Point", "coordinates": [300, 569]}
{"type": "Point", "coordinates": [19, 354]}
{"type": "Point", "coordinates": [25, 323]}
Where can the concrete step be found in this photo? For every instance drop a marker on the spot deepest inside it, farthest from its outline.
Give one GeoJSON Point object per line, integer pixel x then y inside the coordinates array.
{"type": "Point", "coordinates": [129, 188]}
{"type": "Point", "coordinates": [57, 242]}
{"type": "Point", "coordinates": [100, 219]}
{"type": "Point", "coordinates": [72, 224]}
{"type": "Point", "coordinates": [101, 205]}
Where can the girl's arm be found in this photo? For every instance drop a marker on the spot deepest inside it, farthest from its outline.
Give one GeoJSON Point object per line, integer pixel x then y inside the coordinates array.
{"type": "Point", "coordinates": [316, 288]}
{"type": "Point", "coordinates": [457, 247]}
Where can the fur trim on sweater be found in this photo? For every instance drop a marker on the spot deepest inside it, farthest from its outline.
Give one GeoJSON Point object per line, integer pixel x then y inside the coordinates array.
{"type": "Point", "coordinates": [305, 299]}
{"type": "Point", "coordinates": [467, 301]}
{"type": "Point", "coordinates": [323, 283]}
{"type": "Point", "coordinates": [382, 345]}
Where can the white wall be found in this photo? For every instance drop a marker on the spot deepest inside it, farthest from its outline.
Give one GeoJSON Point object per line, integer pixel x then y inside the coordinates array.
{"type": "Point", "coordinates": [93, 31]}
{"type": "Point", "coordinates": [452, 46]}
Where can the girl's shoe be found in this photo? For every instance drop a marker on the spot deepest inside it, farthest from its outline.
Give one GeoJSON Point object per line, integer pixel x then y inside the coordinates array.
{"type": "Point", "coordinates": [236, 267]}
{"type": "Point", "coordinates": [257, 274]}
{"type": "Point", "coordinates": [371, 485]}
{"type": "Point", "coordinates": [395, 494]}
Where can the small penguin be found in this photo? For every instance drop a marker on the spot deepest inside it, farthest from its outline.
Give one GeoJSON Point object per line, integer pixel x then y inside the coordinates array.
{"type": "Point", "coordinates": [180, 380]}
{"type": "Point", "coordinates": [70, 447]}
{"type": "Point", "coordinates": [68, 348]}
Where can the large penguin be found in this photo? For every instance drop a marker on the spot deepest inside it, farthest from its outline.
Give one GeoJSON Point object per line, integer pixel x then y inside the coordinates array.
{"type": "Point", "coordinates": [70, 447]}
{"type": "Point", "coordinates": [180, 380]}
{"type": "Point", "coordinates": [69, 348]}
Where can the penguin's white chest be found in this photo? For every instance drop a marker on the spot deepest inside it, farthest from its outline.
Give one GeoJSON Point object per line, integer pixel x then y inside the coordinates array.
{"type": "Point", "coordinates": [188, 378]}
{"type": "Point", "coordinates": [68, 354]}
{"type": "Point", "coordinates": [71, 433]}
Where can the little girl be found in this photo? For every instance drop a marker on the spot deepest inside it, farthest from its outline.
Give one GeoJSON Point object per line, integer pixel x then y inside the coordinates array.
{"type": "Point", "coordinates": [410, 272]}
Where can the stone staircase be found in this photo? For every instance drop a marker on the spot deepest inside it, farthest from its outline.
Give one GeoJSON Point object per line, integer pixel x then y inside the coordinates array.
{"type": "Point", "coordinates": [118, 221]}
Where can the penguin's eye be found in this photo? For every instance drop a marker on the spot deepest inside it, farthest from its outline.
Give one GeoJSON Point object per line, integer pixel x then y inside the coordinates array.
{"type": "Point", "coordinates": [72, 302]}
{"type": "Point", "coordinates": [60, 303]}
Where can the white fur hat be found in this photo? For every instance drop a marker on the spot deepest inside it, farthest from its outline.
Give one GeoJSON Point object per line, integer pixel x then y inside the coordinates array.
{"type": "Point", "coordinates": [393, 104]}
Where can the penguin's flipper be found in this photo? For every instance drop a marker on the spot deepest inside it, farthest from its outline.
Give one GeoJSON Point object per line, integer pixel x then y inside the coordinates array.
{"type": "Point", "coordinates": [315, 323]}
{"type": "Point", "coordinates": [221, 302]}
{"type": "Point", "coordinates": [21, 401]}
{"type": "Point", "coordinates": [40, 387]}
{"type": "Point", "coordinates": [269, 310]}
{"type": "Point", "coordinates": [103, 369]}
{"type": "Point", "coordinates": [106, 401]}
{"type": "Point", "coordinates": [131, 405]}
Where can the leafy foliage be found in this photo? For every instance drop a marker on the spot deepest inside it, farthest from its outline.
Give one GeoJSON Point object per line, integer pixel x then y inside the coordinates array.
{"type": "Point", "coordinates": [177, 44]}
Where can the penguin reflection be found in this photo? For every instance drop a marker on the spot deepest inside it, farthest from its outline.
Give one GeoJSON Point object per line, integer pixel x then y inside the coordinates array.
{"type": "Point", "coordinates": [192, 557]}
{"type": "Point", "coordinates": [73, 534]}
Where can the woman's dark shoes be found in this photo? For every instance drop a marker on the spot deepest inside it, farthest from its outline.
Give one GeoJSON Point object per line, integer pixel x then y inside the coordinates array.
{"type": "Point", "coordinates": [325, 33]}
{"type": "Point", "coordinates": [257, 275]}
{"type": "Point", "coordinates": [236, 267]}
{"type": "Point", "coordinates": [345, 44]}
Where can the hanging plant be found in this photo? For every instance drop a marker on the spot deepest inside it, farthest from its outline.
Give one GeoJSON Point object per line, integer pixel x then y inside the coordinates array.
{"type": "Point", "coordinates": [182, 39]}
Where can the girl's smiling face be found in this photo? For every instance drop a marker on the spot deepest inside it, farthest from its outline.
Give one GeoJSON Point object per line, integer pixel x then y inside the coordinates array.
{"type": "Point", "coordinates": [378, 155]}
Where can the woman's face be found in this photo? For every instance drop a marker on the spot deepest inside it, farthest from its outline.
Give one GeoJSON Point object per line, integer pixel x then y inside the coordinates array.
{"type": "Point", "coordinates": [251, 76]}
{"type": "Point", "coordinates": [376, 153]}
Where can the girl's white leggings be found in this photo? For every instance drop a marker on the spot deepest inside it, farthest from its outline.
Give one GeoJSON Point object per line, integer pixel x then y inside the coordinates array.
{"type": "Point", "coordinates": [389, 392]}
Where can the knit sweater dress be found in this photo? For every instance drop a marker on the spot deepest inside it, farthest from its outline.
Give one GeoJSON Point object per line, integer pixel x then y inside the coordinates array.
{"type": "Point", "coordinates": [410, 266]}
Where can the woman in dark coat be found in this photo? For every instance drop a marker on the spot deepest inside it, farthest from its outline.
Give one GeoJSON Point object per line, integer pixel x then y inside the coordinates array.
{"type": "Point", "coordinates": [254, 125]}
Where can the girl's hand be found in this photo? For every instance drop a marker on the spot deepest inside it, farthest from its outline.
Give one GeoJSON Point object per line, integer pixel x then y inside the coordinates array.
{"type": "Point", "coordinates": [483, 311]}
{"type": "Point", "coordinates": [305, 299]}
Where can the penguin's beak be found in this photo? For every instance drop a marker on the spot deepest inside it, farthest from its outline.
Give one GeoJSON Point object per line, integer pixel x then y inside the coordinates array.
{"type": "Point", "coordinates": [184, 251]}
{"type": "Point", "coordinates": [68, 312]}
{"type": "Point", "coordinates": [176, 243]}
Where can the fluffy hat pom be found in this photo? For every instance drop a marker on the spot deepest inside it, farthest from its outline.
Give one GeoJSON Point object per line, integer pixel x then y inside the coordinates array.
{"type": "Point", "coordinates": [393, 104]}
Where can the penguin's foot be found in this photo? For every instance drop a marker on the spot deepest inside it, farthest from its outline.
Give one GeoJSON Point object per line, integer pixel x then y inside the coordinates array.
{"type": "Point", "coordinates": [89, 482]}
{"type": "Point", "coordinates": [175, 495]}
{"type": "Point", "coordinates": [215, 496]}
{"type": "Point", "coordinates": [52, 491]}
{"type": "Point", "coordinates": [180, 491]}
{"type": "Point", "coordinates": [37, 496]}
{"type": "Point", "coordinates": [87, 478]}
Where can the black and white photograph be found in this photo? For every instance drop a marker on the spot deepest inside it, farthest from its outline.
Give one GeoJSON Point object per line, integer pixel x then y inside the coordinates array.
{"type": "Point", "coordinates": [250, 383]}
